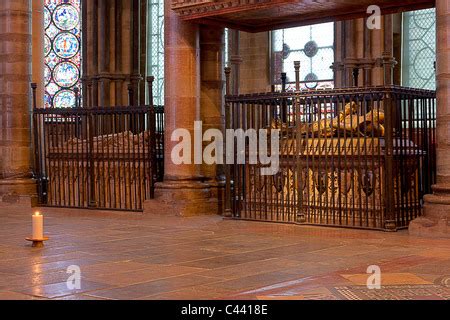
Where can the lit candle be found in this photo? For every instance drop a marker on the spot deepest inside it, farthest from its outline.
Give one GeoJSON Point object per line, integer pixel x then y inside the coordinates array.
{"type": "Point", "coordinates": [38, 226]}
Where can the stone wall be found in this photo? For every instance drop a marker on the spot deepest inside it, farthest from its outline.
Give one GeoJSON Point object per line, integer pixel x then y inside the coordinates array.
{"type": "Point", "coordinates": [15, 102]}
{"type": "Point", "coordinates": [255, 68]}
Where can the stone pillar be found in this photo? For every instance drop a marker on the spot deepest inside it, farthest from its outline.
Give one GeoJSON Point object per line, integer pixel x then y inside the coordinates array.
{"type": "Point", "coordinates": [15, 78]}
{"type": "Point", "coordinates": [183, 191]}
{"type": "Point", "coordinates": [367, 43]}
{"type": "Point", "coordinates": [339, 54]}
{"type": "Point", "coordinates": [252, 64]}
{"type": "Point", "coordinates": [350, 51]}
{"type": "Point", "coordinates": [136, 77]}
{"type": "Point", "coordinates": [235, 60]}
{"type": "Point", "coordinates": [377, 48]}
{"type": "Point", "coordinates": [111, 51]}
{"type": "Point", "coordinates": [436, 219]}
{"type": "Point", "coordinates": [212, 93]}
{"type": "Point", "coordinates": [388, 61]}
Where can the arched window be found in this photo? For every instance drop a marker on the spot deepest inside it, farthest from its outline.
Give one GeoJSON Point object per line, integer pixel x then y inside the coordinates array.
{"type": "Point", "coordinates": [419, 49]}
{"type": "Point", "coordinates": [155, 60]}
{"type": "Point", "coordinates": [62, 19]}
{"type": "Point", "coordinates": [313, 46]}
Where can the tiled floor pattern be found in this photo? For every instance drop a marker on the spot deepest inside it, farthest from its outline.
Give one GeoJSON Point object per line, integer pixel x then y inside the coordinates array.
{"type": "Point", "coordinates": [132, 256]}
{"type": "Point", "coordinates": [405, 292]}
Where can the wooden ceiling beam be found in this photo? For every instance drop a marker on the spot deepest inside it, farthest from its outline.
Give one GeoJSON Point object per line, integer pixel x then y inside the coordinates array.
{"type": "Point", "coordinates": [264, 15]}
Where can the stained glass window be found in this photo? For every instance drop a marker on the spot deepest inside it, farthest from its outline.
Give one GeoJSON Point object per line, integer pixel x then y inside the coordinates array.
{"type": "Point", "coordinates": [313, 46]}
{"type": "Point", "coordinates": [226, 49]}
{"type": "Point", "coordinates": [419, 49]}
{"type": "Point", "coordinates": [62, 19]}
{"type": "Point", "coordinates": [155, 61]}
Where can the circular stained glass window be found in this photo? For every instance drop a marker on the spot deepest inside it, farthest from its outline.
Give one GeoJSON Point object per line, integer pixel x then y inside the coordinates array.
{"type": "Point", "coordinates": [66, 17]}
{"type": "Point", "coordinates": [64, 99]}
{"type": "Point", "coordinates": [52, 88]}
{"type": "Point", "coordinates": [286, 51]}
{"type": "Point", "coordinates": [66, 45]}
{"type": "Point", "coordinates": [47, 18]}
{"type": "Point", "coordinates": [47, 46]}
{"type": "Point", "coordinates": [62, 62]}
{"type": "Point", "coordinates": [66, 74]}
{"type": "Point", "coordinates": [311, 78]}
{"type": "Point", "coordinates": [311, 49]}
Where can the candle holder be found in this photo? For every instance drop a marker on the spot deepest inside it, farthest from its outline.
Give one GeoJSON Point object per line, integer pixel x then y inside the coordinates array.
{"type": "Point", "coordinates": [37, 243]}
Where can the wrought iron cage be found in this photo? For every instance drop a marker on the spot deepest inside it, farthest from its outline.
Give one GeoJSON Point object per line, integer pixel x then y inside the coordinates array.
{"type": "Point", "coordinates": [357, 157]}
{"type": "Point", "coordinates": [103, 158]}
{"type": "Point", "coordinates": [98, 157]}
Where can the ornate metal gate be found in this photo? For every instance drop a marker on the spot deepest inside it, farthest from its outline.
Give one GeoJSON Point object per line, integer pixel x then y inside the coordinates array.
{"type": "Point", "coordinates": [102, 158]}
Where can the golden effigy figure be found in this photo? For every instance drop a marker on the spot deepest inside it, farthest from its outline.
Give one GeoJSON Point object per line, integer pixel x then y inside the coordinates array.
{"type": "Point", "coordinates": [348, 122]}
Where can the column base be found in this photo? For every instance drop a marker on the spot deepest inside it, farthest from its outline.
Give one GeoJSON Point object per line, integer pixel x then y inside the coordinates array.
{"type": "Point", "coordinates": [435, 222]}
{"type": "Point", "coordinates": [182, 198]}
{"type": "Point", "coordinates": [18, 192]}
{"type": "Point", "coordinates": [218, 195]}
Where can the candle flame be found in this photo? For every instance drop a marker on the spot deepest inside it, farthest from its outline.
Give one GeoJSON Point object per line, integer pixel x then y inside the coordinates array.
{"type": "Point", "coordinates": [37, 214]}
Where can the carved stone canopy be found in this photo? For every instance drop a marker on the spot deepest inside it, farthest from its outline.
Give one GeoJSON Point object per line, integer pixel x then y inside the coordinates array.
{"type": "Point", "coordinates": [264, 15]}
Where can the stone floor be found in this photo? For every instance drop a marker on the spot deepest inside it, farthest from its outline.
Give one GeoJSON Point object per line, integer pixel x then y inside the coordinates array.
{"type": "Point", "coordinates": [132, 256]}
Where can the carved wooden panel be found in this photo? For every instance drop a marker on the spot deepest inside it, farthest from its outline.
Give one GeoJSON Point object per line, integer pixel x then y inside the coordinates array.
{"type": "Point", "coordinates": [263, 15]}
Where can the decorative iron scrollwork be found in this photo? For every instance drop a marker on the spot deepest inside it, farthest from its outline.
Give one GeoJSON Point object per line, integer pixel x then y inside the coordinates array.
{"type": "Point", "coordinates": [367, 180]}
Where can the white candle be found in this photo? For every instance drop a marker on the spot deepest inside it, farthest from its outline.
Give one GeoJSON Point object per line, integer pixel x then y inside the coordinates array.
{"type": "Point", "coordinates": [38, 226]}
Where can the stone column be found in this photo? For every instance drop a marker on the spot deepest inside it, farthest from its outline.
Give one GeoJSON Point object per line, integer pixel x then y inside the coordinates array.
{"type": "Point", "coordinates": [15, 78]}
{"type": "Point", "coordinates": [350, 51]}
{"type": "Point", "coordinates": [388, 60]}
{"type": "Point", "coordinates": [212, 93]}
{"type": "Point", "coordinates": [235, 60]}
{"type": "Point", "coordinates": [339, 49]}
{"type": "Point", "coordinates": [367, 43]}
{"type": "Point", "coordinates": [436, 220]}
{"type": "Point", "coordinates": [111, 61]}
{"type": "Point", "coordinates": [251, 63]}
{"type": "Point", "coordinates": [183, 191]}
{"type": "Point", "coordinates": [377, 47]}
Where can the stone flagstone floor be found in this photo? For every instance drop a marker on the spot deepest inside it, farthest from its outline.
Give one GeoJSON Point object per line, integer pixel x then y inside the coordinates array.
{"type": "Point", "coordinates": [133, 256]}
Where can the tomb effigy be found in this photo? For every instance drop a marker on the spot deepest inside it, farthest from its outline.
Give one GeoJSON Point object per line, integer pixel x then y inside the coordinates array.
{"type": "Point", "coordinates": [355, 157]}
{"type": "Point", "coordinates": [115, 162]}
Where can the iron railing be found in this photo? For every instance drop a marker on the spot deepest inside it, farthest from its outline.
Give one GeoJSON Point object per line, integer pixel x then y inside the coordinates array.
{"type": "Point", "coordinates": [102, 158]}
{"type": "Point", "coordinates": [357, 157]}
